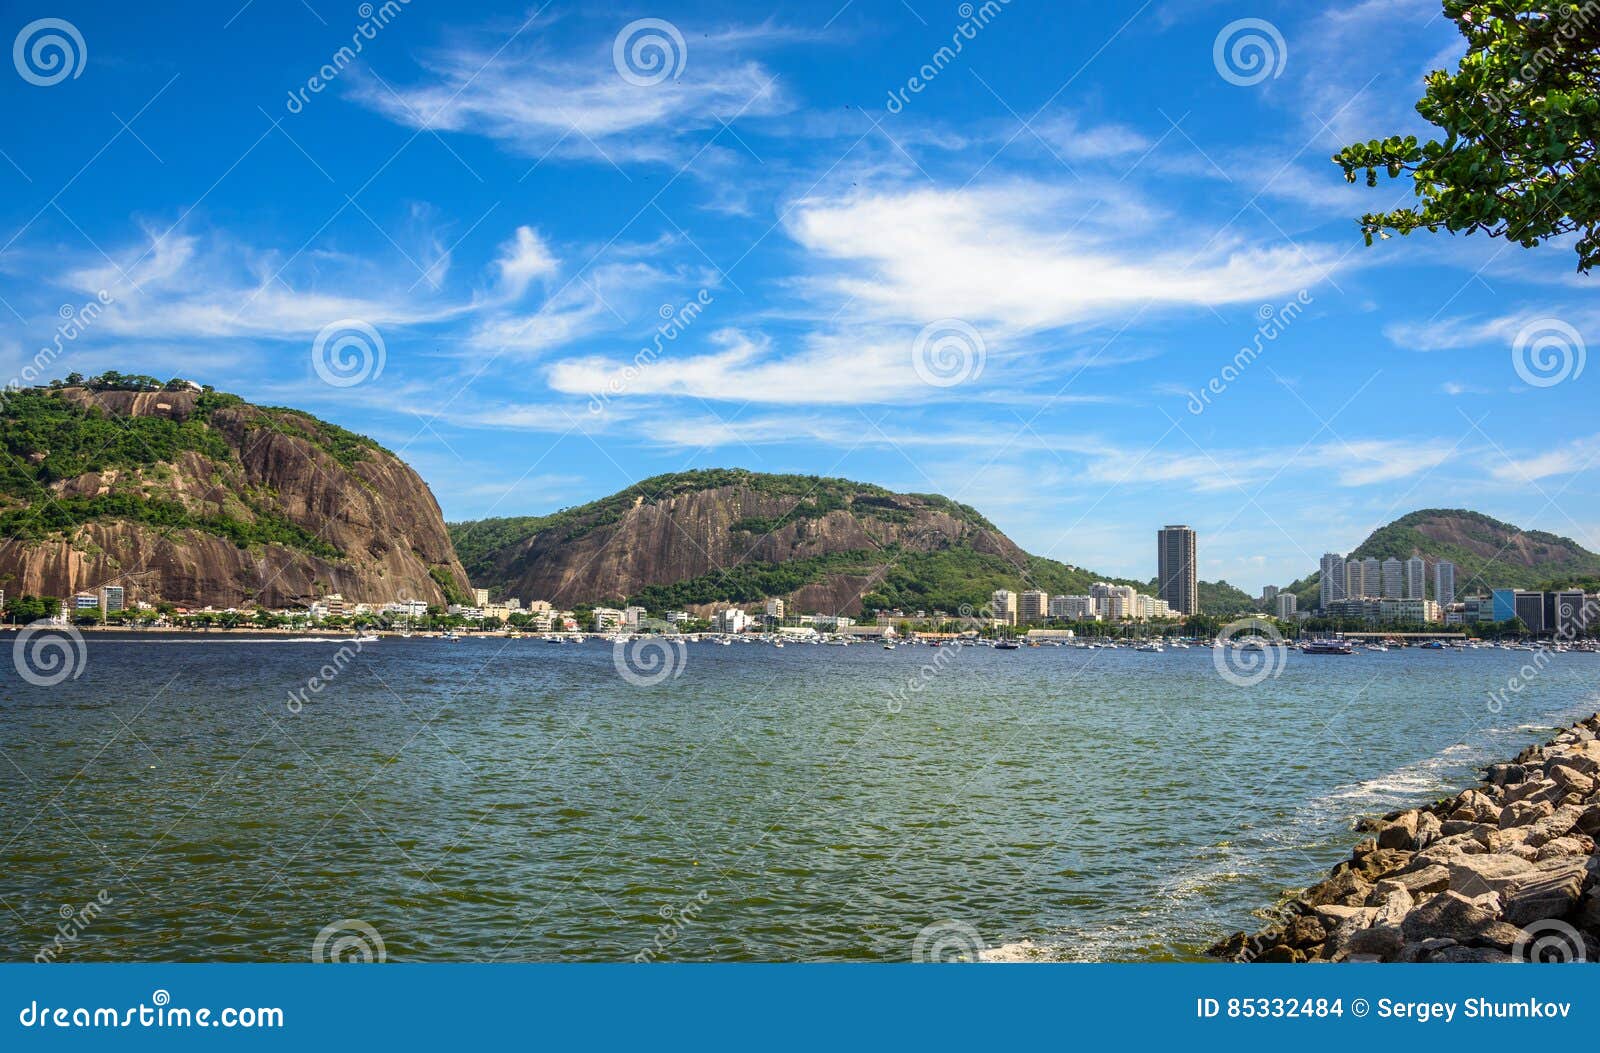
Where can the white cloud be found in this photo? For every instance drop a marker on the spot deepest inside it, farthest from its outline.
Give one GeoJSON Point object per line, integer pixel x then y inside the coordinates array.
{"type": "Point", "coordinates": [1458, 333]}
{"type": "Point", "coordinates": [523, 259]}
{"type": "Point", "coordinates": [180, 287]}
{"type": "Point", "coordinates": [1574, 457]}
{"type": "Point", "coordinates": [1024, 257]}
{"type": "Point", "coordinates": [538, 101]}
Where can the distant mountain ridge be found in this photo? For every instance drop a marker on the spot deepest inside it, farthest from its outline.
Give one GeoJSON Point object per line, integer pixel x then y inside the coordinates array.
{"type": "Point", "coordinates": [1487, 552]}
{"type": "Point", "coordinates": [700, 538]}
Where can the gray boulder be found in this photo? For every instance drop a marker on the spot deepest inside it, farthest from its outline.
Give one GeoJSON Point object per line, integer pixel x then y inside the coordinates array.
{"type": "Point", "coordinates": [1448, 915]}
{"type": "Point", "coordinates": [1550, 891]}
{"type": "Point", "coordinates": [1474, 876]}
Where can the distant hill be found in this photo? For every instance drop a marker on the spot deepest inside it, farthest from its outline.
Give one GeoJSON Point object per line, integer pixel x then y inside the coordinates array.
{"type": "Point", "coordinates": [193, 496]}
{"type": "Point", "coordinates": [694, 539]}
{"type": "Point", "coordinates": [1487, 553]}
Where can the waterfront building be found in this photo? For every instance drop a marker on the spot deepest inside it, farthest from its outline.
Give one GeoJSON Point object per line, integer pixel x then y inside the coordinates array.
{"type": "Point", "coordinates": [1115, 602]}
{"type": "Point", "coordinates": [1034, 606]}
{"type": "Point", "coordinates": [1368, 611]}
{"type": "Point", "coordinates": [1147, 607]}
{"type": "Point", "coordinates": [1176, 575]}
{"type": "Point", "coordinates": [1003, 606]}
{"type": "Point", "coordinates": [112, 598]}
{"type": "Point", "coordinates": [1355, 585]}
{"type": "Point", "coordinates": [1287, 606]}
{"type": "Point", "coordinates": [480, 597]}
{"type": "Point", "coordinates": [1568, 613]}
{"type": "Point", "coordinates": [677, 617]}
{"type": "Point", "coordinates": [1393, 579]}
{"type": "Point", "coordinates": [1332, 590]}
{"type": "Point", "coordinates": [1413, 610]}
{"type": "Point", "coordinates": [1073, 608]}
{"type": "Point", "coordinates": [1416, 585]}
{"type": "Point", "coordinates": [1372, 578]}
{"type": "Point", "coordinates": [1444, 582]}
{"type": "Point", "coordinates": [1529, 606]}
{"type": "Point", "coordinates": [86, 601]}
{"type": "Point", "coordinates": [775, 609]}
{"type": "Point", "coordinates": [732, 620]}
{"type": "Point", "coordinates": [632, 616]}
{"type": "Point", "coordinates": [607, 618]}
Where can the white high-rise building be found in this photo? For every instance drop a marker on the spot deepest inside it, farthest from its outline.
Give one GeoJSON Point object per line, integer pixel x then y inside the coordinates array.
{"type": "Point", "coordinates": [1416, 579]}
{"type": "Point", "coordinates": [1332, 579]}
{"type": "Point", "coordinates": [1034, 606]}
{"type": "Point", "coordinates": [1393, 579]}
{"type": "Point", "coordinates": [1073, 608]}
{"type": "Point", "coordinates": [1444, 583]}
{"type": "Point", "coordinates": [1003, 606]}
{"type": "Point", "coordinates": [1288, 605]}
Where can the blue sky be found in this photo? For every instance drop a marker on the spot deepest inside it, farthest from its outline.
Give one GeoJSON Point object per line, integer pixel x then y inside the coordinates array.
{"type": "Point", "coordinates": [1003, 284]}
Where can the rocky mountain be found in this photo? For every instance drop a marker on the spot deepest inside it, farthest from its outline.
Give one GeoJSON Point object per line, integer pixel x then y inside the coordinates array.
{"type": "Point", "coordinates": [194, 497]}
{"type": "Point", "coordinates": [1487, 553]}
{"type": "Point", "coordinates": [694, 539]}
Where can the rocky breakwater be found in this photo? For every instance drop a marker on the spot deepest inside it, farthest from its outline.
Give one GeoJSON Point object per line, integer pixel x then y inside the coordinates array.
{"type": "Point", "coordinates": [1503, 872]}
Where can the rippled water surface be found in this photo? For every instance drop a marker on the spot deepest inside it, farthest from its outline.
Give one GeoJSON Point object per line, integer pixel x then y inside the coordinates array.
{"type": "Point", "coordinates": [518, 800]}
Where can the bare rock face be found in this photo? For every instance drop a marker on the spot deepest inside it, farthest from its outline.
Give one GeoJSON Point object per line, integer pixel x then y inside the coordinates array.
{"type": "Point", "coordinates": [675, 529]}
{"type": "Point", "coordinates": [354, 519]}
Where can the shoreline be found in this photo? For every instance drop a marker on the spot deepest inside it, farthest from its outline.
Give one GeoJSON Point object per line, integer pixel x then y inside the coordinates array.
{"type": "Point", "coordinates": [1505, 871]}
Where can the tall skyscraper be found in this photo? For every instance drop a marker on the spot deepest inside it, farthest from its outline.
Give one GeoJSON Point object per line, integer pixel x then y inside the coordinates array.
{"type": "Point", "coordinates": [1332, 580]}
{"type": "Point", "coordinates": [1288, 604]}
{"type": "Point", "coordinates": [1268, 594]}
{"type": "Point", "coordinates": [1372, 577]}
{"type": "Point", "coordinates": [1176, 579]}
{"type": "Point", "coordinates": [1393, 573]}
{"type": "Point", "coordinates": [1416, 579]}
{"type": "Point", "coordinates": [1444, 583]}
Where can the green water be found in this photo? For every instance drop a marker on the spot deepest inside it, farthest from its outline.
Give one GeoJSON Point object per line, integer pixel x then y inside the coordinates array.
{"type": "Point", "coordinates": [518, 800]}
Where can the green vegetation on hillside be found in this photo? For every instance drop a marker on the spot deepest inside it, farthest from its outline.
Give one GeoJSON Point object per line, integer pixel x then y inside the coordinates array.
{"type": "Point", "coordinates": [46, 438]}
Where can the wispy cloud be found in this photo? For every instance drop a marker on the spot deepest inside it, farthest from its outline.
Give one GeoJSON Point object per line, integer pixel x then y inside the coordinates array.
{"type": "Point", "coordinates": [539, 100]}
